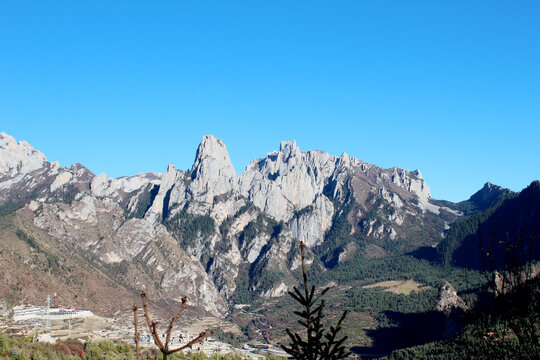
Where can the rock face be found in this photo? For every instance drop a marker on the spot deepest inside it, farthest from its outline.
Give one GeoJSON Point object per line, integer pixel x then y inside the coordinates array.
{"type": "Point", "coordinates": [152, 258]}
{"type": "Point", "coordinates": [212, 163]}
{"type": "Point", "coordinates": [212, 174]}
{"type": "Point", "coordinates": [286, 181]}
{"type": "Point", "coordinates": [211, 234]}
{"type": "Point", "coordinates": [18, 159]}
{"type": "Point", "coordinates": [449, 299]}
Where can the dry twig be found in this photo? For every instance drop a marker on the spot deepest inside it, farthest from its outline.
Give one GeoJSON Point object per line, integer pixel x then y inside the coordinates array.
{"type": "Point", "coordinates": [152, 326]}
{"type": "Point", "coordinates": [135, 322]}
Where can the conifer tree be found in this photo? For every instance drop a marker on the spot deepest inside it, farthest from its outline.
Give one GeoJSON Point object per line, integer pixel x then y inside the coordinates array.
{"type": "Point", "coordinates": [318, 343]}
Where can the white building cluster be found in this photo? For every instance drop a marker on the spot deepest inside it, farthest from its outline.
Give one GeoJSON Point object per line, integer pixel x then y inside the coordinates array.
{"type": "Point", "coordinates": [35, 313]}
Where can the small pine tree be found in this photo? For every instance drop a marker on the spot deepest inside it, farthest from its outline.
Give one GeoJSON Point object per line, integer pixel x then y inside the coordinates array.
{"type": "Point", "coordinates": [319, 343]}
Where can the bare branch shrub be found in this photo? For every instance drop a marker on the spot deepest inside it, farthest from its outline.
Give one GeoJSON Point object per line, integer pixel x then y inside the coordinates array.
{"type": "Point", "coordinates": [152, 326]}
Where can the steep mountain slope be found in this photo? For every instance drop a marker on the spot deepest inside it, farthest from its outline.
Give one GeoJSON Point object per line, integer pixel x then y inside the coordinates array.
{"type": "Point", "coordinates": [510, 233]}
{"type": "Point", "coordinates": [507, 230]}
{"type": "Point", "coordinates": [96, 220]}
{"type": "Point", "coordinates": [35, 265]}
{"type": "Point", "coordinates": [212, 234]}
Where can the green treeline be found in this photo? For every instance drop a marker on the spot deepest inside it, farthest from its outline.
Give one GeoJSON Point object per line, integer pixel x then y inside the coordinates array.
{"type": "Point", "coordinates": [364, 271]}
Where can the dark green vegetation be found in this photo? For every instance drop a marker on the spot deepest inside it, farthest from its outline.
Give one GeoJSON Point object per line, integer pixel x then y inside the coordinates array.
{"type": "Point", "coordinates": [186, 227]}
{"type": "Point", "coordinates": [382, 322]}
{"type": "Point", "coordinates": [339, 234]}
{"type": "Point", "coordinates": [253, 274]}
{"type": "Point", "coordinates": [378, 321]}
{"type": "Point", "coordinates": [262, 224]}
{"type": "Point", "coordinates": [145, 201]}
{"type": "Point", "coordinates": [504, 316]}
{"type": "Point", "coordinates": [501, 327]}
{"type": "Point", "coordinates": [465, 230]}
{"type": "Point", "coordinates": [225, 225]}
{"type": "Point", "coordinates": [490, 239]}
{"type": "Point", "coordinates": [68, 194]}
{"type": "Point", "coordinates": [9, 207]}
{"type": "Point", "coordinates": [508, 237]}
{"type": "Point", "coordinates": [17, 199]}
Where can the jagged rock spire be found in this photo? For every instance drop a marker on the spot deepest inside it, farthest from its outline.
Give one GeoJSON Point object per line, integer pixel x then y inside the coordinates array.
{"type": "Point", "coordinates": [212, 160]}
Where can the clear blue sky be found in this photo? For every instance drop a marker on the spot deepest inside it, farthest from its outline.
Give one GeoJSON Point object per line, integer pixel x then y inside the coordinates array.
{"type": "Point", "coordinates": [451, 88]}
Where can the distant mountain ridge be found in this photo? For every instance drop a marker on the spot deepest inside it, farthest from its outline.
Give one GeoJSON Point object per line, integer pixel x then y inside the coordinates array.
{"type": "Point", "coordinates": [216, 236]}
{"type": "Point", "coordinates": [507, 228]}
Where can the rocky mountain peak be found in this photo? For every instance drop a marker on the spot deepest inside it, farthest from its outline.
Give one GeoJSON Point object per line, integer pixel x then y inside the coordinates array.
{"type": "Point", "coordinates": [212, 160]}
{"type": "Point", "coordinates": [99, 184]}
{"type": "Point", "coordinates": [18, 158]}
{"type": "Point", "coordinates": [288, 149]}
{"type": "Point", "coordinates": [489, 194]}
{"type": "Point", "coordinates": [344, 160]}
{"type": "Point", "coordinates": [489, 187]}
{"type": "Point", "coordinates": [212, 175]}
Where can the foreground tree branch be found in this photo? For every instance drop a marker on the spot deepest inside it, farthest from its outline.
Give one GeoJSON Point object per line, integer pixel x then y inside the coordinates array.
{"type": "Point", "coordinates": [169, 330]}
{"type": "Point", "coordinates": [152, 326]}
{"type": "Point", "coordinates": [136, 323]}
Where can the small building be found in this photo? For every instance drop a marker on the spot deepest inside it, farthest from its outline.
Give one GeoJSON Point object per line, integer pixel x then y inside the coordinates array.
{"type": "Point", "coordinates": [46, 338]}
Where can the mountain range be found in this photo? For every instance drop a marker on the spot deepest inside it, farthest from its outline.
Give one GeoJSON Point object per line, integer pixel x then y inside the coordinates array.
{"type": "Point", "coordinates": [218, 237]}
